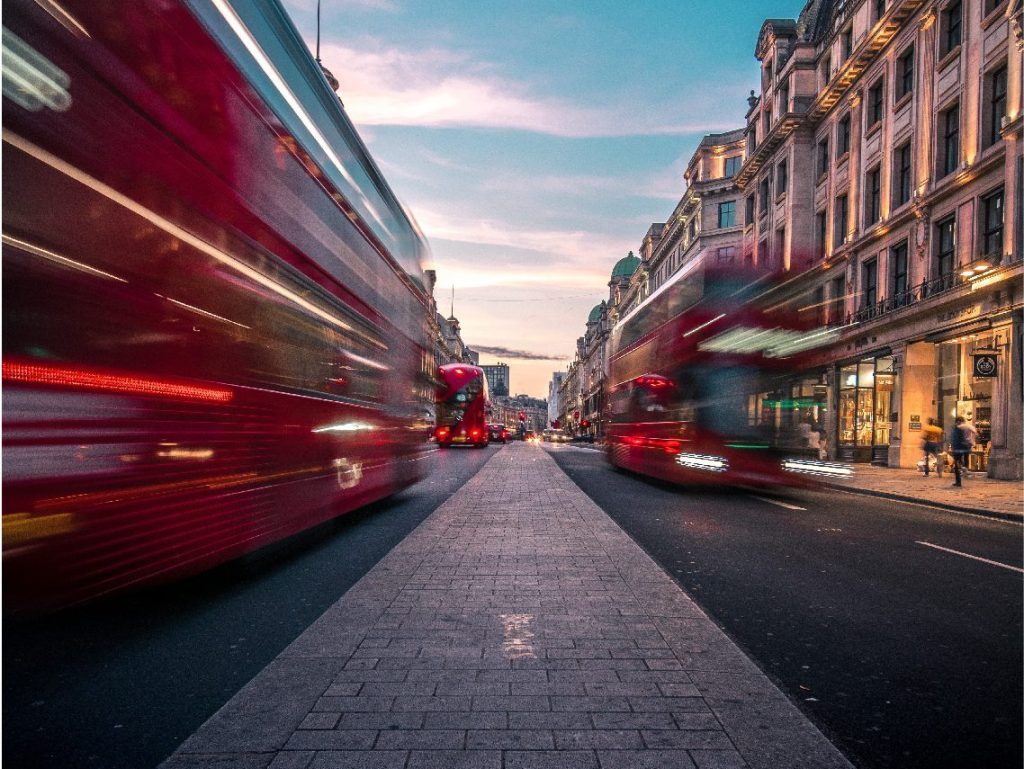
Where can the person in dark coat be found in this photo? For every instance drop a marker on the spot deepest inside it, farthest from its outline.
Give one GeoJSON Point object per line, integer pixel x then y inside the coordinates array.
{"type": "Point", "coordinates": [961, 441]}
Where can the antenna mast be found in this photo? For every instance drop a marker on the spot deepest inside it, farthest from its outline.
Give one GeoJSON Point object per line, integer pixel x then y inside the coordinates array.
{"type": "Point", "coordinates": [453, 301]}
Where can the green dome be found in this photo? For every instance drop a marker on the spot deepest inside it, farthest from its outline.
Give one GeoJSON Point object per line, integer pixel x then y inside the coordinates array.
{"type": "Point", "coordinates": [595, 314]}
{"type": "Point", "coordinates": [626, 266]}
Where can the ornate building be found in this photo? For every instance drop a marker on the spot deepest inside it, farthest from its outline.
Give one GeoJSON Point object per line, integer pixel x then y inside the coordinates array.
{"type": "Point", "coordinates": [883, 168]}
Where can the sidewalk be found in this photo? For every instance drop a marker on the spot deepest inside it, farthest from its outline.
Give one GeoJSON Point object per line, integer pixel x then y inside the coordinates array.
{"type": "Point", "coordinates": [518, 627]}
{"type": "Point", "coordinates": [979, 494]}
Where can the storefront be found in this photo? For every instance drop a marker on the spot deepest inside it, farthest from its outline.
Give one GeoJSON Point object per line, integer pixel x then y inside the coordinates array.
{"type": "Point", "coordinates": [969, 373]}
{"type": "Point", "coordinates": [865, 412]}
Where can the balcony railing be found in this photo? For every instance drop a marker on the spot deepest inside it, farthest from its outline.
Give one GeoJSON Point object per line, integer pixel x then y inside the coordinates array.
{"type": "Point", "coordinates": [925, 290]}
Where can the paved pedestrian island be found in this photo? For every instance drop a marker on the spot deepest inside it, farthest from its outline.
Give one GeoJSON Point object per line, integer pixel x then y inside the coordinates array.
{"type": "Point", "coordinates": [520, 628]}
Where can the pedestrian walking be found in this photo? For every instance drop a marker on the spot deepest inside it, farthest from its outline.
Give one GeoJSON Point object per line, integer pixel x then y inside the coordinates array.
{"type": "Point", "coordinates": [932, 446]}
{"type": "Point", "coordinates": [961, 440]}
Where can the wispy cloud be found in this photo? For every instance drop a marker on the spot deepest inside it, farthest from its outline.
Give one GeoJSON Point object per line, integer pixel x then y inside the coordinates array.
{"type": "Point", "coordinates": [505, 352]}
{"type": "Point", "coordinates": [571, 245]}
{"type": "Point", "coordinates": [446, 88]}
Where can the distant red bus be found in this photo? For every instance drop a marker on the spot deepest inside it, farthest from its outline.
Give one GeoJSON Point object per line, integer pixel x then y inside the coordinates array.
{"type": "Point", "coordinates": [462, 406]}
{"type": "Point", "coordinates": [693, 372]}
{"type": "Point", "coordinates": [214, 315]}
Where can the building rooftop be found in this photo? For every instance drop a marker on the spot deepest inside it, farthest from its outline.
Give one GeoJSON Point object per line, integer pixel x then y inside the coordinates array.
{"type": "Point", "coordinates": [625, 267]}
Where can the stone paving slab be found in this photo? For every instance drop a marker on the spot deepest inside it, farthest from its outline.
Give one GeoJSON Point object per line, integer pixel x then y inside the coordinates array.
{"type": "Point", "coordinates": [979, 494]}
{"type": "Point", "coordinates": [518, 627]}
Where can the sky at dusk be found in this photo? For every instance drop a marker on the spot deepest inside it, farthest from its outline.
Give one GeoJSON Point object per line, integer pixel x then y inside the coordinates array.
{"type": "Point", "coordinates": [535, 142]}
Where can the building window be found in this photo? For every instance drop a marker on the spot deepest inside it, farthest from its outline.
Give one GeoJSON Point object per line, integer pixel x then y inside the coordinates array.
{"type": "Point", "coordinates": [732, 165]}
{"type": "Point", "coordinates": [839, 226]}
{"type": "Point", "coordinates": [991, 5]}
{"type": "Point", "coordinates": [752, 138]}
{"type": "Point", "coordinates": [748, 215]}
{"type": "Point", "coordinates": [820, 229]}
{"type": "Point", "coordinates": [767, 121]}
{"type": "Point", "coordinates": [876, 102]}
{"type": "Point", "coordinates": [949, 123]}
{"type": "Point", "coordinates": [873, 196]}
{"type": "Point", "coordinates": [765, 190]}
{"type": "Point", "coordinates": [762, 252]}
{"type": "Point", "coordinates": [838, 310]}
{"type": "Point", "coordinates": [727, 254]}
{"type": "Point", "coordinates": [727, 213]}
{"type": "Point", "coordinates": [902, 175]}
{"type": "Point", "coordinates": [946, 254]}
{"type": "Point", "coordinates": [996, 107]}
{"type": "Point", "coordinates": [692, 230]}
{"type": "Point", "coordinates": [823, 157]}
{"type": "Point", "coordinates": [951, 29]}
{"type": "Point", "coordinates": [879, 9]}
{"type": "Point", "coordinates": [818, 304]}
{"type": "Point", "coordinates": [847, 43]}
{"type": "Point", "coordinates": [905, 73]}
{"type": "Point", "coordinates": [869, 274]}
{"type": "Point", "coordinates": [780, 245]}
{"type": "Point", "coordinates": [782, 178]}
{"type": "Point", "coordinates": [784, 97]}
{"type": "Point", "coordinates": [992, 225]}
{"type": "Point", "coordinates": [898, 270]}
{"type": "Point", "coordinates": [826, 70]}
{"type": "Point", "coordinates": [843, 136]}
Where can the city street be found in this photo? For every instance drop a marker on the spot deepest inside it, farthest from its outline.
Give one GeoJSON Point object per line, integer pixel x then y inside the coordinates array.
{"type": "Point", "coordinates": [904, 655]}
{"type": "Point", "coordinates": [907, 655]}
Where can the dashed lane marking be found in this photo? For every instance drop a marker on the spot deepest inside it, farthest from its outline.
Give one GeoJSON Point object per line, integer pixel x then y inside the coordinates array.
{"type": "Point", "coordinates": [968, 555]}
{"type": "Point", "coordinates": [778, 502]}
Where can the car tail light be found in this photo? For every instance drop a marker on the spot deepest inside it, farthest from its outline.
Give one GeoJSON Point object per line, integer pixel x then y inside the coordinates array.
{"type": "Point", "coordinates": [474, 433]}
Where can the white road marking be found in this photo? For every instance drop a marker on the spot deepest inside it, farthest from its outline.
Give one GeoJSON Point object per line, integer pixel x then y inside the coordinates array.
{"type": "Point", "coordinates": [968, 555]}
{"type": "Point", "coordinates": [771, 501]}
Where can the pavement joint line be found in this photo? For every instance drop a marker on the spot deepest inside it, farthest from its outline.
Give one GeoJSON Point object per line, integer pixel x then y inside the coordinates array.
{"type": "Point", "coordinates": [517, 577]}
{"type": "Point", "coordinates": [968, 555]}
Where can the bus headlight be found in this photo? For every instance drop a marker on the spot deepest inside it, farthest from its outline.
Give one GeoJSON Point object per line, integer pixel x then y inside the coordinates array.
{"type": "Point", "coordinates": [702, 462]}
{"type": "Point", "coordinates": [815, 467]}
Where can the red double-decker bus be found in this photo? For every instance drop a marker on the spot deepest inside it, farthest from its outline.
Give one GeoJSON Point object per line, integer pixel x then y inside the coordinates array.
{"type": "Point", "coordinates": [463, 406]}
{"type": "Point", "coordinates": [693, 372]}
{"type": "Point", "coordinates": [214, 315]}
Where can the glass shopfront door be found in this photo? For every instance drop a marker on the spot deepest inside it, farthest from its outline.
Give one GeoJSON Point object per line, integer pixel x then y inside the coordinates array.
{"type": "Point", "coordinates": [865, 409]}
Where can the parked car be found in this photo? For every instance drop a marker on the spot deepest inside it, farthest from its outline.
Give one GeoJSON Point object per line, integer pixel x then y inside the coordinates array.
{"type": "Point", "coordinates": [498, 432]}
{"type": "Point", "coordinates": [555, 436]}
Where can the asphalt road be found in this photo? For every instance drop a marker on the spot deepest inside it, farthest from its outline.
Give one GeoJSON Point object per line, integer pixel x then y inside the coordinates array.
{"type": "Point", "coordinates": [122, 683]}
{"type": "Point", "coordinates": [905, 655]}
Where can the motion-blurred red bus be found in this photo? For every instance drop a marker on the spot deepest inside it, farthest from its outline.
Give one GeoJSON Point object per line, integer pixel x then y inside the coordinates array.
{"type": "Point", "coordinates": [462, 406]}
{"type": "Point", "coordinates": [214, 311]}
{"type": "Point", "coordinates": [693, 370]}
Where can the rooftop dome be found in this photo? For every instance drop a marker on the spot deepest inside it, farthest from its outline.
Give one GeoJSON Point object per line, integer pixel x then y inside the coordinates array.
{"type": "Point", "coordinates": [626, 266]}
{"type": "Point", "coordinates": [595, 314]}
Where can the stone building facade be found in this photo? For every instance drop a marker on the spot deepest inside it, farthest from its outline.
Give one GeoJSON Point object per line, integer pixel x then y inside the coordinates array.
{"type": "Point", "coordinates": [883, 170]}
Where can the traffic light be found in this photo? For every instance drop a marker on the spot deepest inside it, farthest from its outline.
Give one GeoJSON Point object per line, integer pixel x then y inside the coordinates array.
{"type": "Point", "coordinates": [522, 416]}
{"type": "Point", "coordinates": [585, 423]}
{"type": "Point", "coordinates": [555, 423]}
{"type": "Point", "coordinates": [576, 415]}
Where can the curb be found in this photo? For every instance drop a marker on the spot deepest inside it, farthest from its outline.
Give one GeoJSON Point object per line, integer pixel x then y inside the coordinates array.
{"type": "Point", "coordinates": [998, 515]}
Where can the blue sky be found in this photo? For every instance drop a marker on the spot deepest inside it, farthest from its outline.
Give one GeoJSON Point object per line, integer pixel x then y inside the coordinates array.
{"type": "Point", "coordinates": [536, 141]}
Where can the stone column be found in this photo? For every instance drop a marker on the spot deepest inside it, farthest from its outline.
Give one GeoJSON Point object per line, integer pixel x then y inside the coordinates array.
{"type": "Point", "coordinates": [1005, 459]}
{"type": "Point", "coordinates": [923, 128]}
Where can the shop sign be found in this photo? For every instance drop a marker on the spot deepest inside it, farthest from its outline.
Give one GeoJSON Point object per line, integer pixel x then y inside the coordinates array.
{"type": "Point", "coordinates": [915, 421]}
{"type": "Point", "coordinates": [986, 365]}
{"type": "Point", "coordinates": [963, 313]}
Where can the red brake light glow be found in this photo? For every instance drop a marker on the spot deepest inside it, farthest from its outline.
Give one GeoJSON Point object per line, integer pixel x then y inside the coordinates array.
{"type": "Point", "coordinates": [59, 376]}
